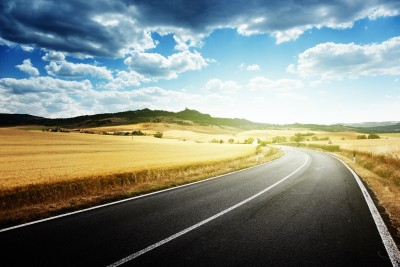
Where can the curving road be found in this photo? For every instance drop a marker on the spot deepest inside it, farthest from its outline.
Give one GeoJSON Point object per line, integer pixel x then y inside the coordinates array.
{"type": "Point", "coordinates": [305, 209]}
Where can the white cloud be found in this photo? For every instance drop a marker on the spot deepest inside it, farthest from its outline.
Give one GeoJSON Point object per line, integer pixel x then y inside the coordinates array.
{"type": "Point", "coordinates": [331, 61]}
{"type": "Point", "coordinates": [52, 97]}
{"type": "Point", "coordinates": [383, 11]}
{"type": "Point", "coordinates": [156, 66]}
{"type": "Point", "coordinates": [27, 67]}
{"type": "Point", "coordinates": [71, 70]}
{"type": "Point", "coordinates": [27, 48]}
{"type": "Point", "coordinates": [289, 34]}
{"type": "Point", "coordinates": [125, 79]}
{"type": "Point", "coordinates": [218, 86]}
{"type": "Point", "coordinates": [262, 83]}
{"type": "Point", "coordinates": [115, 28]}
{"type": "Point", "coordinates": [42, 84]}
{"type": "Point", "coordinates": [253, 67]}
{"type": "Point", "coordinates": [54, 56]}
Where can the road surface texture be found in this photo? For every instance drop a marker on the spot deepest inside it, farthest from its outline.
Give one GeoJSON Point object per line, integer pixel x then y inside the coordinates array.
{"type": "Point", "coordinates": [305, 209]}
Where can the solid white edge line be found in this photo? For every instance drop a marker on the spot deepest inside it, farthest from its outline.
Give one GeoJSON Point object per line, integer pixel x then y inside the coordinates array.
{"type": "Point", "coordinates": [390, 245]}
{"type": "Point", "coordinates": [172, 237]}
{"type": "Point", "coordinates": [136, 197]}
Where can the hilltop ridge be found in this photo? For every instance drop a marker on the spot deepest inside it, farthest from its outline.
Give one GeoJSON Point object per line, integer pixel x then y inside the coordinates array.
{"type": "Point", "coordinates": [184, 117]}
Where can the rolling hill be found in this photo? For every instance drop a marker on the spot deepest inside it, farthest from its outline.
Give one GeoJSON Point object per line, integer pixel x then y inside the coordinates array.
{"type": "Point", "coordinates": [184, 117]}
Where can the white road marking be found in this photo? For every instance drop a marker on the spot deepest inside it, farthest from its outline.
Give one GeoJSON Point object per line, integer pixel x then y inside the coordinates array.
{"type": "Point", "coordinates": [140, 196]}
{"type": "Point", "coordinates": [172, 237]}
{"type": "Point", "coordinates": [390, 245]}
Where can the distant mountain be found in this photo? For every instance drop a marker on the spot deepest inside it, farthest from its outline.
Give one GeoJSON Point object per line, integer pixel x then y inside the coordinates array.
{"type": "Point", "coordinates": [377, 127]}
{"type": "Point", "coordinates": [19, 119]}
{"type": "Point", "coordinates": [184, 117]}
{"type": "Point", "coordinates": [372, 124]}
{"type": "Point", "coordinates": [391, 128]}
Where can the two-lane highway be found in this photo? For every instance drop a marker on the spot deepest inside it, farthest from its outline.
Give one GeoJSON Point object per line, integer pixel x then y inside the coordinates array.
{"type": "Point", "coordinates": [305, 209]}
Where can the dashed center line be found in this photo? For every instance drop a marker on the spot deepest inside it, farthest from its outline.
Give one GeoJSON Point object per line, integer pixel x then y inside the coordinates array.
{"type": "Point", "coordinates": [172, 237]}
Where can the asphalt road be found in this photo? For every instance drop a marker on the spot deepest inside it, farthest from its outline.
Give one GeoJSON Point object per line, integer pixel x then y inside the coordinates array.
{"type": "Point", "coordinates": [304, 209]}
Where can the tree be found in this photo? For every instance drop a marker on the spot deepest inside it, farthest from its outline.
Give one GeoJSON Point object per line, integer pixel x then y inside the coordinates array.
{"type": "Point", "coordinates": [249, 140]}
{"type": "Point", "coordinates": [279, 139]}
{"type": "Point", "coordinates": [314, 138]}
{"type": "Point", "coordinates": [373, 136]}
{"type": "Point", "coordinates": [298, 137]}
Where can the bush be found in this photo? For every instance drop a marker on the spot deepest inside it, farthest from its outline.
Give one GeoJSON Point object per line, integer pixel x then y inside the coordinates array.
{"type": "Point", "coordinates": [231, 141]}
{"type": "Point", "coordinates": [362, 136]}
{"type": "Point", "coordinates": [249, 140]}
{"type": "Point", "coordinates": [298, 137]}
{"type": "Point", "coordinates": [262, 142]}
{"type": "Point", "coordinates": [279, 139]}
{"type": "Point", "coordinates": [373, 136]}
{"type": "Point", "coordinates": [314, 138]}
{"type": "Point", "coordinates": [138, 133]}
{"type": "Point", "coordinates": [158, 135]}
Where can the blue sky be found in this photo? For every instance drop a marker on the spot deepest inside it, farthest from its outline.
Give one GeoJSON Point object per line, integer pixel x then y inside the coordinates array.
{"type": "Point", "coordinates": [267, 61]}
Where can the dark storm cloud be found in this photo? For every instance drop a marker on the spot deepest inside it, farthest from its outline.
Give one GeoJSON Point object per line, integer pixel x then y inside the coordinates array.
{"type": "Point", "coordinates": [68, 26]}
{"type": "Point", "coordinates": [112, 28]}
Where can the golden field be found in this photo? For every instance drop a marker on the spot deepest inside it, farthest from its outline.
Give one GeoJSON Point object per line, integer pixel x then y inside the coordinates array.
{"type": "Point", "coordinates": [35, 157]}
{"type": "Point", "coordinates": [385, 145]}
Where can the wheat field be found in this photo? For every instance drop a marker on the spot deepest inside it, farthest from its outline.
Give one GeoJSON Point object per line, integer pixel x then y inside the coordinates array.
{"type": "Point", "coordinates": [35, 157]}
{"type": "Point", "coordinates": [389, 146]}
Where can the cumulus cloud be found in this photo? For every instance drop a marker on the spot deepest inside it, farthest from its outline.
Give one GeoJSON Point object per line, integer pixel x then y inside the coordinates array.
{"type": "Point", "coordinates": [27, 48]}
{"type": "Point", "coordinates": [262, 83]}
{"type": "Point", "coordinates": [252, 67]}
{"type": "Point", "coordinates": [114, 28]}
{"type": "Point", "coordinates": [156, 66]}
{"type": "Point", "coordinates": [54, 56]}
{"type": "Point", "coordinates": [125, 79]}
{"type": "Point", "coordinates": [52, 97]}
{"type": "Point", "coordinates": [218, 86]}
{"type": "Point", "coordinates": [27, 67]}
{"type": "Point", "coordinates": [71, 70]}
{"type": "Point", "coordinates": [332, 61]}
{"type": "Point", "coordinates": [42, 84]}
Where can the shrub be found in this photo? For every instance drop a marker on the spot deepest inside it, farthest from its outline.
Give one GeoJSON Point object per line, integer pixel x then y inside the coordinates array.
{"type": "Point", "coordinates": [279, 139]}
{"type": "Point", "coordinates": [158, 135]}
{"type": "Point", "coordinates": [373, 136]}
{"type": "Point", "coordinates": [139, 133]}
{"type": "Point", "coordinates": [314, 138]}
{"type": "Point", "coordinates": [249, 140]}
{"type": "Point", "coordinates": [298, 137]}
{"type": "Point", "coordinates": [361, 136]}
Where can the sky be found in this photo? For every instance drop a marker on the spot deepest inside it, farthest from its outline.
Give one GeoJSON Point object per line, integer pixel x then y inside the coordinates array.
{"type": "Point", "coordinates": [276, 61]}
